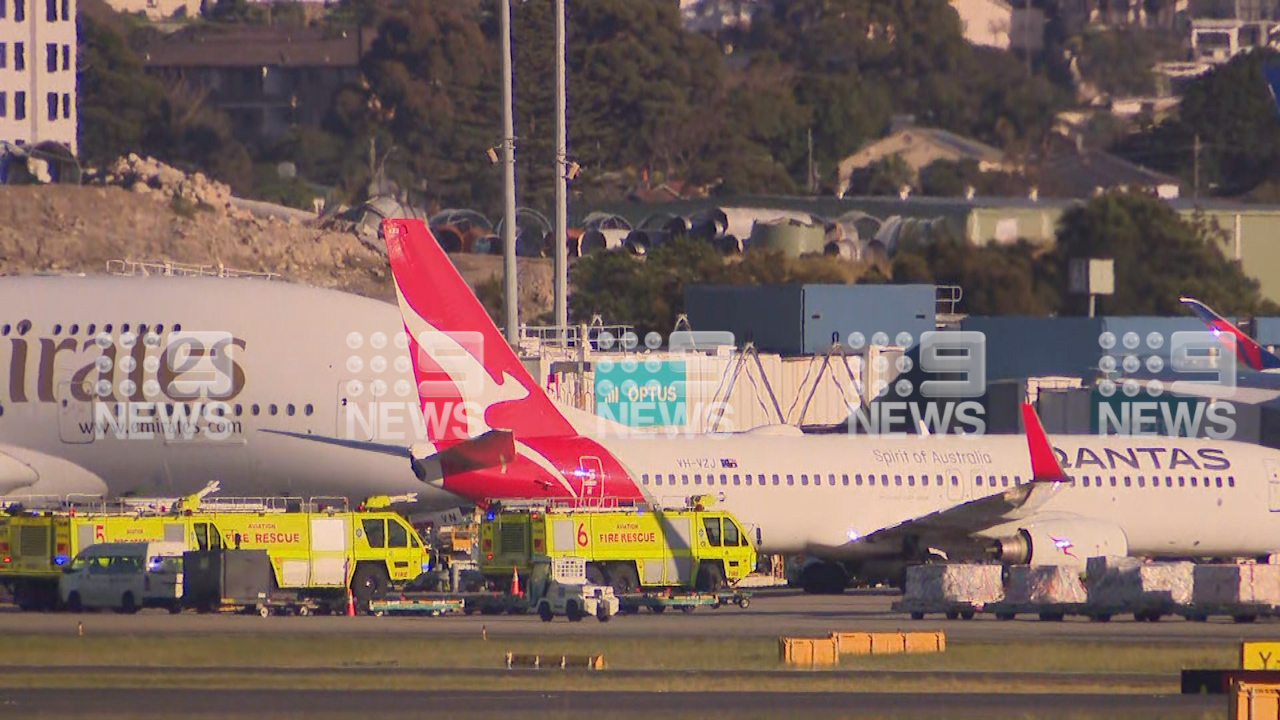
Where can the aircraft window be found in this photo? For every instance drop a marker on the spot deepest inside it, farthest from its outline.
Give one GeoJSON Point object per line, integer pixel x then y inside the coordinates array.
{"type": "Point", "coordinates": [724, 479]}
{"type": "Point", "coordinates": [177, 327]}
{"type": "Point", "coordinates": [924, 480]}
{"type": "Point", "coordinates": [897, 479]}
{"type": "Point", "coordinates": [88, 331]}
{"type": "Point", "coordinates": [657, 479]}
{"type": "Point", "coordinates": [4, 330]}
{"type": "Point", "coordinates": [844, 480]}
{"type": "Point", "coordinates": [272, 408]}
{"type": "Point", "coordinates": [791, 480]}
{"type": "Point", "coordinates": [1141, 481]}
{"type": "Point", "coordinates": [1086, 481]}
{"type": "Point", "coordinates": [684, 479]}
{"type": "Point", "coordinates": [1017, 479]}
{"type": "Point", "coordinates": [955, 480]}
{"type": "Point", "coordinates": [775, 479]}
{"type": "Point", "coordinates": [712, 526]}
{"type": "Point", "coordinates": [107, 328]}
{"type": "Point", "coordinates": [759, 479]}
{"type": "Point", "coordinates": [124, 328]}
{"type": "Point", "coordinates": [1127, 481]}
{"type": "Point", "coordinates": [1219, 481]}
{"type": "Point", "coordinates": [288, 409]}
{"type": "Point", "coordinates": [57, 328]}
{"type": "Point", "coordinates": [159, 328]}
{"type": "Point", "coordinates": [977, 480]}
{"type": "Point", "coordinates": [1231, 481]}
{"type": "Point", "coordinates": [1168, 481]}
{"type": "Point", "coordinates": [1193, 482]}
{"type": "Point", "coordinates": [857, 479]}
{"type": "Point", "coordinates": [645, 478]}
{"type": "Point", "coordinates": [75, 329]}
{"type": "Point", "coordinates": [911, 480]}
{"type": "Point", "coordinates": [884, 480]}
{"type": "Point", "coordinates": [253, 409]}
{"type": "Point", "coordinates": [1004, 480]}
{"type": "Point", "coordinates": [23, 327]}
{"type": "Point", "coordinates": [239, 409]}
{"type": "Point", "coordinates": [737, 480]}
{"type": "Point", "coordinates": [375, 532]}
{"type": "Point", "coordinates": [749, 481]}
{"type": "Point", "coordinates": [697, 479]}
{"type": "Point", "coordinates": [804, 479]}
{"type": "Point", "coordinates": [308, 410]}
{"type": "Point", "coordinates": [142, 328]}
{"type": "Point", "coordinates": [1182, 481]}
{"type": "Point", "coordinates": [1, 411]}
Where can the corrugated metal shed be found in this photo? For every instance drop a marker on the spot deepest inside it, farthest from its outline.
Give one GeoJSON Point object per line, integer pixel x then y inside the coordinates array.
{"type": "Point", "coordinates": [803, 319]}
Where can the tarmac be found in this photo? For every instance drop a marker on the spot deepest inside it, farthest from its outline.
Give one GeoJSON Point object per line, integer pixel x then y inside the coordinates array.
{"type": "Point", "coordinates": [174, 702]}
{"type": "Point", "coordinates": [771, 613]}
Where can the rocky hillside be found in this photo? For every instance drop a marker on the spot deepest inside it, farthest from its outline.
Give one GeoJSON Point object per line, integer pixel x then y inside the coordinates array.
{"type": "Point", "coordinates": [59, 228]}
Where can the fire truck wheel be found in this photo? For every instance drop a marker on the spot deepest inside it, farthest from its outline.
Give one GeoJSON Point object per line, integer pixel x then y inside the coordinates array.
{"type": "Point", "coordinates": [544, 612]}
{"type": "Point", "coordinates": [710, 578]}
{"type": "Point", "coordinates": [369, 583]}
{"type": "Point", "coordinates": [74, 604]}
{"type": "Point", "coordinates": [624, 579]}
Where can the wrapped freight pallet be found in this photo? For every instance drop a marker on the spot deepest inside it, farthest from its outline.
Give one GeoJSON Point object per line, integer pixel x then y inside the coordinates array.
{"type": "Point", "coordinates": [1225, 585]}
{"type": "Point", "coordinates": [1044, 585]}
{"type": "Point", "coordinates": [1130, 584]}
{"type": "Point", "coordinates": [939, 585]}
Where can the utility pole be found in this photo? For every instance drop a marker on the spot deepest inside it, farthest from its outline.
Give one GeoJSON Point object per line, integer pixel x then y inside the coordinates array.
{"type": "Point", "coordinates": [511, 318]}
{"type": "Point", "coordinates": [813, 180]}
{"type": "Point", "coordinates": [1195, 164]}
{"type": "Point", "coordinates": [562, 190]}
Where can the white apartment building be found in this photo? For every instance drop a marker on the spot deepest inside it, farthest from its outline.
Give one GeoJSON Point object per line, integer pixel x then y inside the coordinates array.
{"type": "Point", "coordinates": [38, 72]}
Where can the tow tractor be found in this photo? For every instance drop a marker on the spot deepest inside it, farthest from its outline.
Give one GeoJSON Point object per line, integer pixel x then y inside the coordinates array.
{"type": "Point", "coordinates": [558, 586]}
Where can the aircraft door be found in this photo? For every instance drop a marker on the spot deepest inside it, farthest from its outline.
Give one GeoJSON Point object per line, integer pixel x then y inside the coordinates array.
{"type": "Point", "coordinates": [591, 478]}
{"type": "Point", "coordinates": [329, 551]}
{"type": "Point", "coordinates": [955, 490]}
{"type": "Point", "coordinates": [1273, 486]}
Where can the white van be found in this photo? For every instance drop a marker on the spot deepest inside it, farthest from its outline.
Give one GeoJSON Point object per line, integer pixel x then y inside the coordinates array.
{"type": "Point", "coordinates": [124, 577]}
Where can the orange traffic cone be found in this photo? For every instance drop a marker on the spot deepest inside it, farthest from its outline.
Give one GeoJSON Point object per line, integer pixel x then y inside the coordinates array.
{"type": "Point", "coordinates": [515, 582]}
{"type": "Point", "coordinates": [351, 604]}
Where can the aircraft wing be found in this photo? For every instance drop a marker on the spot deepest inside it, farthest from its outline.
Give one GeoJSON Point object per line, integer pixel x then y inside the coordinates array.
{"type": "Point", "coordinates": [962, 521]}
{"type": "Point", "coordinates": [27, 472]}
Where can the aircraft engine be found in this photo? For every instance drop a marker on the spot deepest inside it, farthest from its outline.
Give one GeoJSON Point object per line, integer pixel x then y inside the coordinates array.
{"type": "Point", "coordinates": [1060, 542]}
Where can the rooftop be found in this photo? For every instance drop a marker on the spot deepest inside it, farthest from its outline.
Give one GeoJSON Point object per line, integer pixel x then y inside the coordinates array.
{"type": "Point", "coordinates": [257, 46]}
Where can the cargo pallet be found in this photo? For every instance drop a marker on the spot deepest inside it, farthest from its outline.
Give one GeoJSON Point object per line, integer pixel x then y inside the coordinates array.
{"type": "Point", "coordinates": [658, 602]}
{"type": "Point", "coordinates": [433, 607]}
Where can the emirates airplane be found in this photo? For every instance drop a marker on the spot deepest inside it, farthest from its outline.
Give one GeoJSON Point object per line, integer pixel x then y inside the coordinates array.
{"type": "Point", "coordinates": [842, 500]}
{"type": "Point", "coordinates": [154, 386]}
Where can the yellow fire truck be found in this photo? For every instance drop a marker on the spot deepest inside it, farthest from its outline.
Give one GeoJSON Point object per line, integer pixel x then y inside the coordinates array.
{"type": "Point", "coordinates": [631, 548]}
{"type": "Point", "coordinates": [318, 547]}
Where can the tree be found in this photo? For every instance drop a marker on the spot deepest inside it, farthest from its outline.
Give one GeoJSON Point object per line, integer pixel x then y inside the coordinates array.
{"type": "Point", "coordinates": [995, 279]}
{"type": "Point", "coordinates": [1230, 114]}
{"type": "Point", "coordinates": [117, 100]}
{"type": "Point", "coordinates": [1158, 257]}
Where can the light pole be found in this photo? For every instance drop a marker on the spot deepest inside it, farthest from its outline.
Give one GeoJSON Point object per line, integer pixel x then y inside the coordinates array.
{"type": "Point", "coordinates": [511, 317]}
{"type": "Point", "coordinates": [562, 191]}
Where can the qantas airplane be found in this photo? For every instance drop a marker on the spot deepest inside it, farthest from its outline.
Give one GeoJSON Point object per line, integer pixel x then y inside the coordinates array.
{"type": "Point", "coordinates": [842, 500]}
{"type": "Point", "coordinates": [153, 386]}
